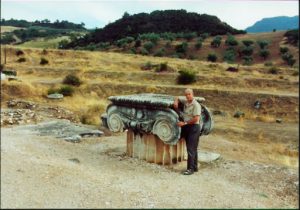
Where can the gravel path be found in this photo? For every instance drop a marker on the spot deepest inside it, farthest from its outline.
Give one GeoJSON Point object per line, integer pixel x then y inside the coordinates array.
{"type": "Point", "coordinates": [47, 172]}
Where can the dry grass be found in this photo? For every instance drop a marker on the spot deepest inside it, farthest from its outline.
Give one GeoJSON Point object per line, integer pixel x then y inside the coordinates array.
{"type": "Point", "coordinates": [9, 28]}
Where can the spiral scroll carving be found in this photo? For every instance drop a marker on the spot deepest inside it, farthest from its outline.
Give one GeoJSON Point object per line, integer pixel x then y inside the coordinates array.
{"type": "Point", "coordinates": [115, 123]}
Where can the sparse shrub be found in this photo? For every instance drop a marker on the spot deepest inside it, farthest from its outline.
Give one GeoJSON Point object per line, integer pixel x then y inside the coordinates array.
{"type": "Point", "coordinates": [20, 60]}
{"type": "Point", "coordinates": [44, 61]}
{"type": "Point", "coordinates": [63, 44]}
{"type": "Point", "coordinates": [264, 53]}
{"type": "Point", "coordinates": [247, 60]}
{"type": "Point", "coordinates": [19, 52]}
{"type": "Point", "coordinates": [72, 80]}
{"type": "Point", "coordinates": [144, 51]}
{"type": "Point", "coordinates": [103, 45]}
{"type": "Point", "coordinates": [124, 41]}
{"type": "Point", "coordinates": [288, 58]}
{"type": "Point", "coordinates": [269, 63]}
{"type": "Point", "coordinates": [212, 57]}
{"type": "Point", "coordinates": [44, 52]}
{"type": "Point", "coordinates": [168, 36]}
{"type": "Point", "coordinates": [160, 52]}
{"type": "Point", "coordinates": [198, 44]}
{"type": "Point", "coordinates": [231, 41]}
{"type": "Point", "coordinates": [186, 77]}
{"type": "Point", "coordinates": [137, 43]}
{"type": "Point", "coordinates": [168, 44]}
{"type": "Point", "coordinates": [229, 55]}
{"type": "Point", "coordinates": [283, 50]}
{"type": "Point", "coordinates": [273, 70]}
{"type": "Point", "coordinates": [247, 51]}
{"type": "Point", "coordinates": [204, 36]}
{"type": "Point", "coordinates": [153, 37]}
{"type": "Point", "coordinates": [148, 46]}
{"type": "Point", "coordinates": [132, 51]}
{"type": "Point", "coordinates": [189, 36]}
{"type": "Point", "coordinates": [247, 43]}
{"type": "Point", "coordinates": [263, 43]}
{"type": "Point", "coordinates": [296, 73]}
{"type": "Point", "coordinates": [66, 90]}
{"type": "Point", "coordinates": [162, 67]}
{"type": "Point", "coordinates": [216, 42]}
{"type": "Point", "coordinates": [182, 48]}
{"type": "Point", "coordinates": [191, 57]}
{"type": "Point", "coordinates": [147, 66]}
{"type": "Point", "coordinates": [52, 91]}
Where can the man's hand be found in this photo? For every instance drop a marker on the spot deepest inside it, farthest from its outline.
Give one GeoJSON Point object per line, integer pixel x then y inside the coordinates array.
{"type": "Point", "coordinates": [180, 123]}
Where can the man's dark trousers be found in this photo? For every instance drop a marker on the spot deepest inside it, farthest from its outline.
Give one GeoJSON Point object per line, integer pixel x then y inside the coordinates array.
{"type": "Point", "coordinates": [191, 134]}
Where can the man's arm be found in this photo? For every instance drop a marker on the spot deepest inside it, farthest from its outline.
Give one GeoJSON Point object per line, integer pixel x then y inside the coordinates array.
{"type": "Point", "coordinates": [194, 120]}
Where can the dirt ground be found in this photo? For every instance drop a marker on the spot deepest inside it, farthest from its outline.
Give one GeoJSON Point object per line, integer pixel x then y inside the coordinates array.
{"type": "Point", "coordinates": [48, 172]}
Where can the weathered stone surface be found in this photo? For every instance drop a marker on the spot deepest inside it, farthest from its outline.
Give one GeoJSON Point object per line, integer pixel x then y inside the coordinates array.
{"type": "Point", "coordinates": [207, 157]}
{"type": "Point", "coordinates": [55, 96]}
{"type": "Point", "coordinates": [3, 76]}
{"type": "Point", "coordinates": [150, 113]}
{"type": "Point", "coordinates": [73, 139]}
{"type": "Point", "coordinates": [279, 120]}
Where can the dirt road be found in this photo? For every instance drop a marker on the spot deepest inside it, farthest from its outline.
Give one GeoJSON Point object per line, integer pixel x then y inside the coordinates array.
{"type": "Point", "coordinates": [48, 172]}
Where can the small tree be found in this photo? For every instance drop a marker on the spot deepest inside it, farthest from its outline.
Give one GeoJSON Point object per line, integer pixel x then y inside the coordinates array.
{"type": "Point", "coordinates": [229, 55]}
{"type": "Point", "coordinates": [204, 36]}
{"type": "Point", "coordinates": [144, 51]}
{"type": "Point", "coordinates": [181, 48]}
{"type": "Point", "coordinates": [160, 52]}
{"type": "Point", "coordinates": [216, 42]}
{"type": "Point", "coordinates": [148, 46]}
{"type": "Point", "coordinates": [137, 43]}
{"type": "Point", "coordinates": [263, 43]}
{"type": "Point", "coordinates": [231, 41]}
{"type": "Point", "coordinates": [198, 44]}
{"type": "Point", "coordinates": [247, 60]}
{"type": "Point", "coordinates": [247, 51]}
{"type": "Point", "coordinates": [264, 53]}
{"type": "Point", "coordinates": [283, 50]}
{"type": "Point", "coordinates": [247, 43]}
{"type": "Point", "coordinates": [212, 57]}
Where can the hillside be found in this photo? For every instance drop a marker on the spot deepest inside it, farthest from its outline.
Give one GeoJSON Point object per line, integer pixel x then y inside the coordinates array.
{"type": "Point", "coordinates": [174, 21]}
{"type": "Point", "coordinates": [278, 23]}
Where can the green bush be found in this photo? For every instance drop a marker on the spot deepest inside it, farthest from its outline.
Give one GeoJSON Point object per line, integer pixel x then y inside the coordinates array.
{"type": "Point", "coordinates": [230, 55]}
{"type": "Point", "coordinates": [283, 50]}
{"type": "Point", "coordinates": [247, 51]}
{"type": "Point", "coordinates": [182, 48]}
{"type": "Point", "coordinates": [20, 60]}
{"type": "Point", "coordinates": [138, 43]}
{"type": "Point", "coordinates": [66, 90]}
{"type": "Point", "coordinates": [288, 58]}
{"type": "Point", "coordinates": [204, 36]}
{"type": "Point", "coordinates": [273, 70]}
{"type": "Point", "coordinates": [263, 43]}
{"type": "Point", "coordinates": [264, 53]}
{"type": "Point", "coordinates": [147, 66]}
{"type": "Point", "coordinates": [52, 91]}
{"type": "Point", "coordinates": [72, 80]}
{"type": "Point", "coordinates": [212, 57]}
{"type": "Point", "coordinates": [198, 44]}
{"type": "Point", "coordinates": [247, 60]}
{"type": "Point", "coordinates": [231, 41]}
{"type": "Point", "coordinates": [19, 52]}
{"type": "Point", "coordinates": [247, 43]}
{"type": "Point", "coordinates": [162, 67]}
{"type": "Point", "coordinates": [132, 51]}
{"type": "Point", "coordinates": [160, 52]}
{"type": "Point", "coordinates": [269, 63]}
{"type": "Point", "coordinates": [186, 77]}
{"type": "Point", "coordinates": [216, 42]}
{"type": "Point", "coordinates": [44, 61]}
{"type": "Point", "coordinates": [189, 36]}
{"type": "Point", "coordinates": [153, 37]}
{"type": "Point", "coordinates": [148, 46]}
{"type": "Point", "coordinates": [168, 36]}
{"type": "Point", "coordinates": [144, 51]}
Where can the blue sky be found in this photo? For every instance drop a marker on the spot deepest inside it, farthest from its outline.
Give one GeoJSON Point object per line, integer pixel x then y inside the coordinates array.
{"type": "Point", "coordinates": [98, 13]}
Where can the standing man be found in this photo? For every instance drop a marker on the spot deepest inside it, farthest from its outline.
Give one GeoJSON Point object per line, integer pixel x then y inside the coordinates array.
{"type": "Point", "coordinates": [190, 128]}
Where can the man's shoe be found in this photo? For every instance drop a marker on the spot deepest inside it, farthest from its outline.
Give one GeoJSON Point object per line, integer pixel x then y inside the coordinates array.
{"type": "Point", "coordinates": [188, 172]}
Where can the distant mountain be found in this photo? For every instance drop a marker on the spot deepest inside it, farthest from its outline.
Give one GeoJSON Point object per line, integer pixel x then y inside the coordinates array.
{"type": "Point", "coordinates": [278, 23]}
{"type": "Point", "coordinates": [159, 21]}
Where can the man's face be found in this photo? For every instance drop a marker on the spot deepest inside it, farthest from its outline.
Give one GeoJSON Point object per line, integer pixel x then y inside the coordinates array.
{"type": "Point", "coordinates": [189, 96]}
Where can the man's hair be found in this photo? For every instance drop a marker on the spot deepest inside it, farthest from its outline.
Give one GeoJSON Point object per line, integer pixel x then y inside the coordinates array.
{"type": "Point", "coordinates": [189, 90]}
